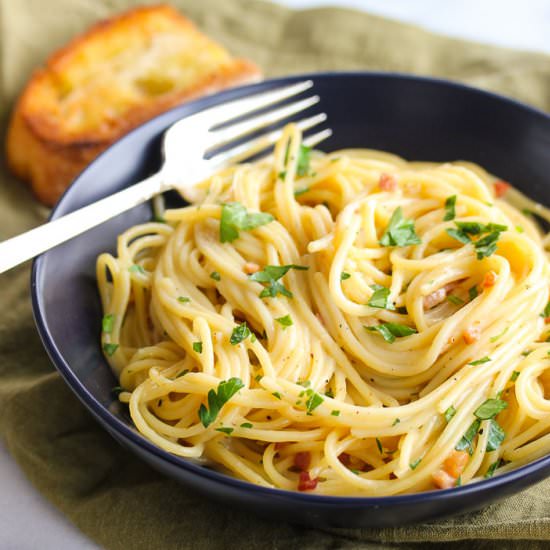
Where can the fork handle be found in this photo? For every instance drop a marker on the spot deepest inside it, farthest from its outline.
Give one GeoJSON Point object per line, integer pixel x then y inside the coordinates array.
{"type": "Point", "coordinates": [23, 247]}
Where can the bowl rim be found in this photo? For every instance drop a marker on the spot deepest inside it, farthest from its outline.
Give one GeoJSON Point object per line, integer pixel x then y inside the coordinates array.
{"type": "Point", "coordinates": [129, 433]}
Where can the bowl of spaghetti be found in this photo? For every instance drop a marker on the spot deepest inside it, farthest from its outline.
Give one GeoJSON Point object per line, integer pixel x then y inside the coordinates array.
{"type": "Point", "coordinates": [351, 336]}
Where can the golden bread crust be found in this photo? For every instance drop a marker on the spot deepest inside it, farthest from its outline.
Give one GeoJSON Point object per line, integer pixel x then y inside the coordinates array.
{"type": "Point", "coordinates": [115, 76]}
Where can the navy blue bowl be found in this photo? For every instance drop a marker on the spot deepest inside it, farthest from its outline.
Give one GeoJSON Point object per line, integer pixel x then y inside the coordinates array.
{"type": "Point", "coordinates": [418, 118]}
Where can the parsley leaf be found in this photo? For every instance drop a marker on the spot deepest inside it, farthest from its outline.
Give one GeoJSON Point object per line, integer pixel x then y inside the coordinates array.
{"type": "Point", "coordinates": [470, 228]}
{"type": "Point", "coordinates": [395, 422]}
{"type": "Point", "coordinates": [335, 413]}
{"type": "Point", "coordinates": [285, 321]}
{"type": "Point", "coordinates": [302, 166]}
{"type": "Point", "coordinates": [480, 361]}
{"type": "Point", "coordinates": [465, 443]}
{"type": "Point", "coordinates": [379, 445]}
{"type": "Point", "coordinates": [344, 276]}
{"type": "Point", "coordinates": [246, 425]}
{"type": "Point", "coordinates": [227, 431]}
{"type": "Point", "coordinates": [491, 470]}
{"type": "Point", "coordinates": [486, 245]}
{"type": "Point", "coordinates": [449, 413]}
{"type": "Point", "coordinates": [546, 312]}
{"type": "Point", "coordinates": [217, 399]}
{"type": "Point", "coordinates": [107, 323]}
{"type": "Point", "coordinates": [490, 408]}
{"type": "Point", "coordinates": [215, 275]}
{"type": "Point", "coordinates": [455, 300]}
{"type": "Point", "coordinates": [400, 231]}
{"type": "Point", "coordinates": [270, 276]}
{"type": "Point", "coordinates": [391, 331]}
{"type": "Point", "coordinates": [415, 463]}
{"type": "Point", "coordinates": [496, 436]}
{"type": "Point", "coordinates": [497, 336]}
{"type": "Point", "coordinates": [136, 269]}
{"type": "Point", "coordinates": [473, 293]}
{"type": "Point", "coordinates": [240, 332]}
{"type": "Point", "coordinates": [313, 400]}
{"type": "Point", "coordinates": [380, 297]}
{"type": "Point", "coordinates": [197, 347]}
{"type": "Point", "coordinates": [234, 217]}
{"type": "Point", "coordinates": [458, 235]}
{"type": "Point", "coordinates": [110, 349]}
{"type": "Point", "coordinates": [514, 376]}
{"type": "Point", "coordinates": [302, 191]}
{"type": "Point", "coordinates": [450, 208]}
{"type": "Point", "coordinates": [184, 299]}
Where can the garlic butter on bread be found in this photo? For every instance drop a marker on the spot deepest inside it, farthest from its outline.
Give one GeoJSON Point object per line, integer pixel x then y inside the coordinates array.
{"type": "Point", "coordinates": [118, 74]}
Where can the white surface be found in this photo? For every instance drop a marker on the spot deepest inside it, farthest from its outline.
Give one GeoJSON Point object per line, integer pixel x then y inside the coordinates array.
{"type": "Point", "coordinates": [27, 521]}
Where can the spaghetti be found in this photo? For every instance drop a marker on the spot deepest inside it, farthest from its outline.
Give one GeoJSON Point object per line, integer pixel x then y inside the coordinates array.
{"type": "Point", "coordinates": [346, 324]}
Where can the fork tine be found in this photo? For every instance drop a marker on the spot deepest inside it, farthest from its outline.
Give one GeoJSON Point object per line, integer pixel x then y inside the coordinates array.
{"type": "Point", "coordinates": [239, 129]}
{"type": "Point", "coordinates": [226, 112]}
{"type": "Point", "coordinates": [315, 139]}
{"type": "Point", "coordinates": [253, 146]}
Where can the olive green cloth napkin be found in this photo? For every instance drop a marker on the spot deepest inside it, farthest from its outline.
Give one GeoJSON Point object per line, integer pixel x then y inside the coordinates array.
{"type": "Point", "coordinates": [108, 493]}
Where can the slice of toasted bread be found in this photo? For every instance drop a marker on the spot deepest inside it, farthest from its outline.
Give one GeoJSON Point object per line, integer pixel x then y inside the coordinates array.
{"type": "Point", "coordinates": [120, 73]}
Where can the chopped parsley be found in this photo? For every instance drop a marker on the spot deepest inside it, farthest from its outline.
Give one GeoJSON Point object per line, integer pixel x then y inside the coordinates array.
{"type": "Point", "coordinates": [282, 175]}
{"type": "Point", "coordinates": [546, 311]}
{"type": "Point", "coordinates": [107, 323]}
{"type": "Point", "coordinates": [450, 208]}
{"type": "Point", "coordinates": [217, 399]}
{"type": "Point", "coordinates": [497, 336]}
{"type": "Point", "coordinates": [379, 445]}
{"type": "Point", "coordinates": [313, 400]}
{"type": "Point", "coordinates": [184, 299]}
{"type": "Point", "coordinates": [395, 422]}
{"type": "Point", "coordinates": [466, 442]}
{"type": "Point", "coordinates": [495, 437]}
{"type": "Point", "coordinates": [400, 231]}
{"type": "Point", "coordinates": [240, 333]}
{"type": "Point", "coordinates": [285, 321]}
{"type": "Point", "coordinates": [415, 463]}
{"type": "Point", "coordinates": [380, 297]}
{"type": "Point", "coordinates": [197, 347]}
{"type": "Point", "coordinates": [480, 361]}
{"type": "Point", "coordinates": [117, 390]}
{"type": "Point", "coordinates": [276, 394]}
{"type": "Point", "coordinates": [455, 300]}
{"type": "Point", "coordinates": [449, 413]}
{"type": "Point", "coordinates": [182, 373]}
{"type": "Point", "coordinates": [270, 276]}
{"type": "Point", "coordinates": [335, 413]}
{"type": "Point", "coordinates": [514, 376]}
{"type": "Point", "coordinates": [234, 217]}
{"type": "Point", "coordinates": [246, 425]}
{"type": "Point", "coordinates": [227, 431]}
{"type": "Point", "coordinates": [110, 349]}
{"type": "Point", "coordinates": [490, 408]}
{"type": "Point", "coordinates": [302, 167]}
{"type": "Point", "coordinates": [215, 275]}
{"type": "Point", "coordinates": [485, 246]}
{"type": "Point", "coordinates": [136, 269]}
{"type": "Point", "coordinates": [491, 470]}
{"type": "Point", "coordinates": [391, 331]}
{"type": "Point", "coordinates": [299, 192]}
{"type": "Point", "coordinates": [473, 293]}
{"type": "Point", "coordinates": [344, 276]}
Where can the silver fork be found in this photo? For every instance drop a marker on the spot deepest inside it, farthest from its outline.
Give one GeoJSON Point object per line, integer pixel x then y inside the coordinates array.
{"type": "Point", "coordinates": [203, 134]}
